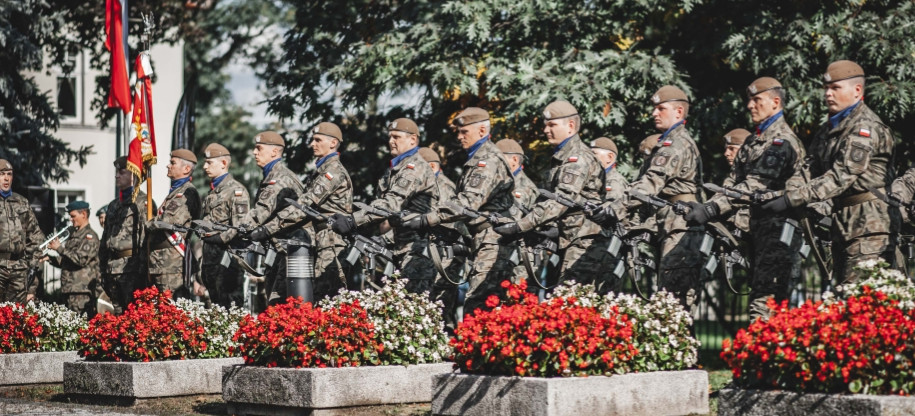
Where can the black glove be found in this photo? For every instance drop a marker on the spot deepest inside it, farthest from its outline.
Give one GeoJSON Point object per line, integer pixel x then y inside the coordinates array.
{"type": "Point", "coordinates": [506, 229]}
{"type": "Point", "coordinates": [461, 250]}
{"type": "Point", "coordinates": [777, 205]}
{"type": "Point", "coordinates": [416, 223]}
{"type": "Point", "coordinates": [911, 211]}
{"type": "Point", "coordinates": [343, 224]}
{"type": "Point", "coordinates": [600, 213]}
{"type": "Point", "coordinates": [258, 234]}
{"type": "Point", "coordinates": [551, 233]}
{"type": "Point", "coordinates": [214, 238]}
{"type": "Point", "coordinates": [701, 213]}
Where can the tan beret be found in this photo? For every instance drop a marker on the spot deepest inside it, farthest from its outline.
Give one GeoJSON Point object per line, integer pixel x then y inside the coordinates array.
{"type": "Point", "coordinates": [215, 150]}
{"type": "Point", "coordinates": [509, 146]}
{"type": "Point", "coordinates": [121, 162]}
{"type": "Point", "coordinates": [429, 155]}
{"type": "Point", "coordinates": [763, 84]}
{"type": "Point", "coordinates": [269, 137]}
{"type": "Point", "coordinates": [5, 165]}
{"type": "Point", "coordinates": [328, 129]}
{"type": "Point", "coordinates": [604, 143]}
{"type": "Point", "coordinates": [471, 115]}
{"type": "Point", "coordinates": [736, 137]}
{"type": "Point", "coordinates": [668, 93]}
{"type": "Point", "coordinates": [405, 125]}
{"type": "Point", "coordinates": [649, 143]}
{"type": "Point", "coordinates": [185, 154]}
{"type": "Point", "coordinates": [840, 70]}
{"type": "Point", "coordinates": [559, 109]}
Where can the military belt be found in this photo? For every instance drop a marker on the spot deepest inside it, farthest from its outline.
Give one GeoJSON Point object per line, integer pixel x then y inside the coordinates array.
{"type": "Point", "coordinates": [122, 253]}
{"type": "Point", "coordinates": [849, 201]}
{"type": "Point", "coordinates": [10, 256]}
{"type": "Point", "coordinates": [682, 198]}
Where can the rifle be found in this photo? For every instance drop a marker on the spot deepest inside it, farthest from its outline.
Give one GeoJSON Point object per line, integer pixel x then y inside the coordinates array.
{"type": "Point", "coordinates": [679, 207]}
{"type": "Point", "coordinates": [238, 248]}
{"type": "Point", "coordinates": [619, 232]}
{"type": "Point", "coordinates": [636, 264]}
{"type": "Point", "coordinates": [755, 197]}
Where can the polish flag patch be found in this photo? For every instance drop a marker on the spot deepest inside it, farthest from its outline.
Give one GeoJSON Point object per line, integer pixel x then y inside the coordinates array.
{"type": "Point", "coordinates": [608, 188]}
{"type": "Point", "coordinates": [237, 193]}
{"type": "Point", "coordinates": [481, 164]}
{"type": "Point", "coordinates": [667, 143]}
{"type": "Point", "coordinates": [778, 142]}
{"type": "Point", "coordinates": [864, 133]}
{"type": "Point", "coordinates": [331, 177]}
{"type": "Point", "coordinates": [88, 236]}
{"type": "Point", "coordinates": [573, 159]}
{"type": "Point", "coordinates": [411, 166]}
{"type": "Point", "coordinates": [272, 182]}
{"type": "Point", "coordinates": [517, 194]}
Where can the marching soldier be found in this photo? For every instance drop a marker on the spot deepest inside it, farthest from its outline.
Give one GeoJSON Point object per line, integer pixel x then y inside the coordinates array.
{"type": "Point", "coordinates": [673, 173]}
{"type": "Point", "coordinates": [525, 192]}
{"type": "Point", "coordinates": [122, 248]}
{"type": "Point", "coordinates": [279, 183]}
{"type": "Point", "coordinates": [408, 185]}
{"type": "Point", "coordinates": [78, 260]}
{"type": "Point", "coordinates": [485, 186]}
{"type": "Point", "coordinates": [169, 263]}
{"type": "Point", "coordinates": [19, 241]}
{"type": "Point", "coordinates": [903, 189]}
{"type": "Point", "coordinates": [770, 160]}
{"type": "Point", "coordinates": [850, 154]}
{"type": "Point", "coordinates": [226, 203]}
{"type": "Point", "coordinates": [329, 191]}
{"type": "Point", "coordinates": [615, 185]}
{"type": "Point", "coordinates": [733, 142]}
{"type": "Point", "coordinates": [575, 174]}
{"type": "Point", "coordinates": [101, 215]}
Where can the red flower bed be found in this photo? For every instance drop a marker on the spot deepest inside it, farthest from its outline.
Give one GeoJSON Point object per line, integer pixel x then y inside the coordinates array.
{"type": "Point", "coordinates": [19, 330]}
{"type": "Point", "coordinates": [865, 344]}
{"type": "Point", "coordinates": [526, 338]}
{"type": "Point", "coordinates": [151, 329]}
{"type": "Point", "coordinates": [296, 334]}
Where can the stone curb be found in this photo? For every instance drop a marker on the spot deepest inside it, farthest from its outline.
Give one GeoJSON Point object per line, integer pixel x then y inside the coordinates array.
{"type": "Point", "coordinates": [654, 393]}
{"type": "Point", "coordinates": [145, 380]}
{"type": "Point", "coordinates": [778, 402]}
{"type": "Point", "coordinates": [34, 367]}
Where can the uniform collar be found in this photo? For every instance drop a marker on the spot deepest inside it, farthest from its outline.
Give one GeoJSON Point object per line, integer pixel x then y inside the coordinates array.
{"type": "Point", "coordinates": [177, 183]}
{"type": "Point", "coordinates": [7, 194]}
{"type": "Point", "coordinates": [564, 143]}
{"type": "Point", "coordinates": [325, 158]}
{"type": "Point", "coordinates": [517, 171]}
{"type": "Point", "coordinates": [216, 181]}
{"type": "Point", "coordinates": [125, 193]}
{"type": "Point", "coordinates": [677, 124]}
{"type": "Point", "coordinates": [269, 167]}
{"type": "Point", "coordinates": [609, 168]}
{"type": "Point", "coordinates": [395, 161]}
{"type": "Point", "coordinates": [761, 128]}
{"type": "Point", "coordinates": [841, 115]}
{"type": "Point", "coordinates": [476, 146]}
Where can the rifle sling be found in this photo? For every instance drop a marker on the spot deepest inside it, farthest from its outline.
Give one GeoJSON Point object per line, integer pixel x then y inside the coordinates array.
{"type": "Point", "coordinates": [437, 261]}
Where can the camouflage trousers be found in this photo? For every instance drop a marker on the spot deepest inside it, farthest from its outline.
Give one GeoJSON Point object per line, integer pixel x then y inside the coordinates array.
{"type": "Point", "coordinates": [774, 265]}
{"type": "Point", "coordinates": [120, 288]}
{"type": "Point", "coordinates": [275, 280]}
{"type": "Point", "coordinates": [586, 261]}
{"type": "Point", "coordinates": [415, 266]}
{"type": "Point", "coordinates": [847, 254]}
{"type": "Point", "coordinates": [12, 284]}
{"type": "Point", "coordinates": [491, 265]}
{"type": "Point", "coordinates": [446, 292]}
{"type": "Point", "coordinates": [330, 272]}
{"type": "Point", "coordinates": [224, 284]}
{"type": "Point", "coordinates": [81, 303]}
{"type": "Point", "coordinates": [681, 264]}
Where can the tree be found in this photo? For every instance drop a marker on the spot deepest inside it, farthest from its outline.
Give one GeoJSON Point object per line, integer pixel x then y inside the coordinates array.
{"type": "Point", "coordinates": [28, 119]}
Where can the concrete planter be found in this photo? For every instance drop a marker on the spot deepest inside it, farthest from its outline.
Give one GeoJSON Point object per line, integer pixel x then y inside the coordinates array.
{"type": "Point", "coordinates": [250, 390]}
{"type": "Point", "coordinates": [125, 382]}
{"type": "Point", "coordinates": [777, 402]}
{"type": "Point", "coordinates": [34, 367]}
{"type": "Point", "coordinates": [656, 393]}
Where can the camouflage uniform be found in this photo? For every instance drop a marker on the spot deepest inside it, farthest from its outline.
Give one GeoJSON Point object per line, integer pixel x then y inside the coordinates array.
{"type": "Point", "coordinates": [279, 183]}
{"type": "Point", "coordinates": [122, 249]}
{"type": "Point", "coordinates": [442, 289]}
{"type": "Point", "coordinates": [328, 190]}
{"type": "Point", "coordinates": [226, 203]}
{"type": "Point", "coordinates": [615, 188]}
{"type": "Point", "coordinates": [167, 248]}
{"type": "Point", "coordinates": [846, 160]}
{"type": "Point", "coordinates": [903, 189]}
{"type": "Point", "coordinates": [19, 241]}
{"type": "Point", "coordinates": [79, 276]}
{"type": "Point", "coordinates": [672, 173]}
{"type": "Point", "coordinates": [773, 159]}
{"type": "Point", "coordinates": [408, 185]}
{"type": "Point", "coordinates": [575, 173]}
{"type": "Point", "coordinates": [485, 186]}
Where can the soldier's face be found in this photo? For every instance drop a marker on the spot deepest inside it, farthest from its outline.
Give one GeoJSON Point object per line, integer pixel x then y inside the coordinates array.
{"type": "Point", "coordinates": [6, 180]}
{"type": "Point", "coordinates": [730, 152]}
{"type": "Point", "coordinates": [177, 169]}
{"type": "Point", "coordinates": [470, 134]}
{"type": "Point", "coordinates": [842, 94]}
{"type": "Point", "coordinates": [101, 219]}
{"type": "Point", "coordinates": [558, 130]}
{"type": "Point", "coordinates": [79, 218]}
{"type": "Point", "coordinates": [215, 167]}
{"type": "Point", "coordinates": [666, 115]}
{"type": "Point", "coordinates": [266, 153]}
{"type": "Point", "coordinates": [123, 179]}
{"type": "Point", "coordinates": [435, 167]}
{"type": "Point", "coordinates": [323, 145]}
{"type": "Point", "coordinates": [605, 157]}
{"type": "Point", "coordinates": [400, 142]}
{"type": "Point", "coordinates": [762, 106]}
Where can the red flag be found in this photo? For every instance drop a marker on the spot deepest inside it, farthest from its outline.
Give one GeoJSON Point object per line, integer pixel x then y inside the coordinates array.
{"type": "Point", "coordinates": [119, 96]}
{"type": "Point", "coordinates": [142, 150]}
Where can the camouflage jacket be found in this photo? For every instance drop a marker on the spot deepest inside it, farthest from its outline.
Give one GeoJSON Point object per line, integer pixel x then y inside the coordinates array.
{"type": "Point", "coordinates": [615, 188]}
{"type": "Point", "coordinates": [525, 194]}
{"type": "Point", "coordinates": [280, 183]}
{"type": "Point", "coordinates": [576, 174]}
{"type": "Point", "coordinates": [226, 203]}
{"type": "Point", "coordinates": [328, 190]}
{"type": "Point", "coordinates": [845, 162]}
{"type": "Point", "coordinates": [167, 248]}
{"type": "Point", "coordinates": [122, 248]}
{"type": "Point", "coordinates": [78, 261]}
{"type": "Point", "coordinates": [903, 187]}
{"type": "Point", "coordinates": [19, 233]}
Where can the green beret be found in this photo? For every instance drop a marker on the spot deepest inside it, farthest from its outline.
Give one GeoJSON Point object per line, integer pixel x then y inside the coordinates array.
{"type": "Point", "coordinates": [102, 211]}
{"type": "Point", "coordinates": [77, 205]}
{"type": "Point", "coordinates": [121, 162]}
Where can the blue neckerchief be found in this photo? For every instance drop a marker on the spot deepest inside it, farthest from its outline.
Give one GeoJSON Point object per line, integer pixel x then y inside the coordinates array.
{"type": "Point", "coordinates": [561, 145]}
{"type": "Point", "coordinates": [177, 183]}
{"type": "Point", "coordinates": [270, 166]}
{"type": "Point", "coordinates": [517, 171]}
{"type": "Point", "coordinates": [7, 194]}
{"type": "Point", "coordinates": [128, 192]}
{"type": "Point", "coordinates": [476, 146]}
{"type": "Point", "coordinates": [216, 181]}
{"type": "Point", "coordinates": [324, 159]}
{"type": "Point", "coordinates": [609, 168]}
{"type": "Point", "coordinates": [768, 122]}
{"type": "Point", "coordinates": [664, 136]}
{"type": "Point", "coordinates": [403, 156]}
{"type": "Point", "coordinates": [438, 173]}
{"type": "Point", "coordinates": [836, 119]}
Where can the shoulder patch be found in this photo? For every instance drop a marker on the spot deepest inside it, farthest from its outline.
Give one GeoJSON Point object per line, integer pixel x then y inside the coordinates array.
{"type": "Point", "coordinates": [608, 188]}
{"type": "Point", "coordinates": [237, 193]}
{"type": "Point", "coordinates": [409, 166]}
{"type": "Point", "coordinates": [179, 195]}
{"type": "Point", "coordinates": [864, 133]}
{"type": "Point", "coordinates": [660, 160]}
{"type": "Point", "coordinates": [517, 194]}
{"type": "Point", "coordinates": [778, 142]}
{"type": "Point", "coordinates": [272, 182]}
{"type": "Point", "coordinates": [330, 177]}
{"type": "Point", "coordinates": [573, 159]}
{"type": "Point", "coordinates": [481, 164]}
{"type": "Point", "coordinates": [667, 142]}
{"type": "Point", "coordinates": [88, 236]}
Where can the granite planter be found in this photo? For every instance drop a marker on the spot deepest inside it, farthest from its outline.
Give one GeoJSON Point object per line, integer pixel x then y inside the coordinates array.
{"type": "Point", "coordinates": [250, 390]}
{"type": "Point", "coordinates": [777, 402]}
{"type": "Point", "coordinates": [34, 367]}
{"type": "Point", "coordinates": [124, 382]}
{"type": "Point", "coordinates": [655, 393]}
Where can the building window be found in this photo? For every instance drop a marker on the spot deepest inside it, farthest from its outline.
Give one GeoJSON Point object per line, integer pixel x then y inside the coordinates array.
{"type": "Point", "coordinates": [66, 96]}
{"type": "Point", "coordinates": [60, 208]}
{"type": "Point", "coordinates": [70, 88]}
